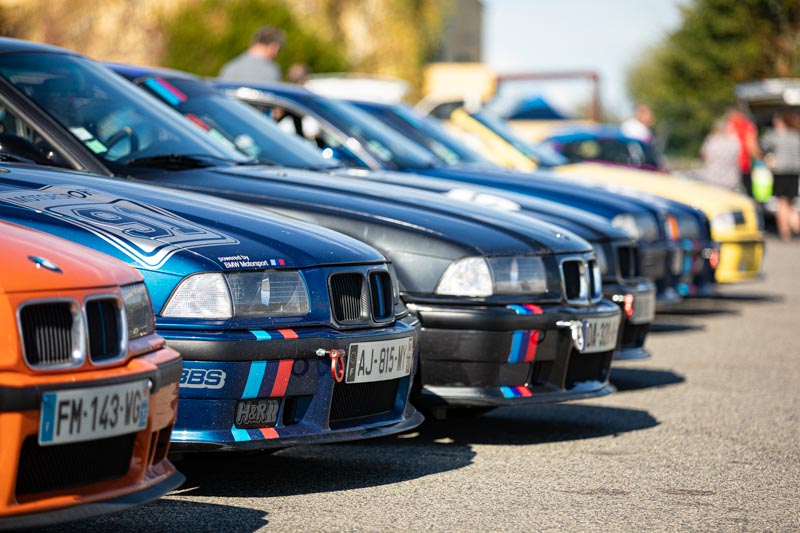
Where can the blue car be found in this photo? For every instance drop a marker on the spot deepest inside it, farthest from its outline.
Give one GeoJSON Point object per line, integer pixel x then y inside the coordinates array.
{"type": "Point", "coordinates": [511, 309]}
{"type": "Point", "coordinates": [261, 308]}
{"type": "Point", "coordinates": [604, 143]}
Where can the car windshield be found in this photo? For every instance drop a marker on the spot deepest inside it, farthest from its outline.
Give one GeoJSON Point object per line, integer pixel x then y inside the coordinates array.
{"type": "Point", "coordinates": [541, 156]}
{"type": "Point", "coordinates": [119, 123]}
{"type": "Point", "coordinates": [621, 150]}
{"type": "Point", "coordinates": [429, 132]}
{"type": "Point", "coordinates": [383, 142]}
{"type": "Point", "coordinates": [236, 124]}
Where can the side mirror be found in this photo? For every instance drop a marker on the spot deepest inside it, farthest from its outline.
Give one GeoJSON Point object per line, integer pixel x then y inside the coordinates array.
{"type": "Point", "coordinates": [21, 150]}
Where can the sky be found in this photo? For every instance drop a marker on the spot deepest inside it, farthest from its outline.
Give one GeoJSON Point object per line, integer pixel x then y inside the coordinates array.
{"type": "Point", "coordinates": [607, 36]}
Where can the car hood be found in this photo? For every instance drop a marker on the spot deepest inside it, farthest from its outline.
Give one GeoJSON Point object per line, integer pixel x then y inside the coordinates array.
{"type": "Point", "coordinates": [542, 184]}
{"type": "Point", "coordinates": [589, 226]}
{"type": "Point", "coordinates": [458, 228]}
{"type": "Point", "coordinates": [712, 200]}
{"type": "Point", "coordinates": [35, 261]}
{"type": "Point", "coordinates": [156, 229]}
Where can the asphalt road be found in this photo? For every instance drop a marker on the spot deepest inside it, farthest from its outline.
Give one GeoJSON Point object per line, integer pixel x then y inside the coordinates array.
{"type": "Point", "coordinates": [703, 436]}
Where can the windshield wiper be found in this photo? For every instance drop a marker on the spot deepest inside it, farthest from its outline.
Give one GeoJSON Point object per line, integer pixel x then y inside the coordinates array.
{"type": "Point", "coordinates": [177, 161]}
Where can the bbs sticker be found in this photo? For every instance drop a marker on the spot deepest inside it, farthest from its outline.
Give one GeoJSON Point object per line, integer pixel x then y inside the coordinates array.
{"type": "Point", "coordinates": [198, 378]}
{"type": "Point", "coordinates": [144, 232]}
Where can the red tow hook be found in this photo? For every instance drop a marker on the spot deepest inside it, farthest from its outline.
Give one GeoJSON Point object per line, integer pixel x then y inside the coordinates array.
{"type": "Point", "coordinates": [337, 362]}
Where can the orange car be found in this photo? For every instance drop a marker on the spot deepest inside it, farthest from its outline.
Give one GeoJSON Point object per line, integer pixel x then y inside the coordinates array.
{"type": "Point", "coordinates": [88, 391]}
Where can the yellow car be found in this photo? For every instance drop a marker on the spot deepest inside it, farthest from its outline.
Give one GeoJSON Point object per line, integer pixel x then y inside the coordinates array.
{"type": "Point", "coordinates": [735, 221]}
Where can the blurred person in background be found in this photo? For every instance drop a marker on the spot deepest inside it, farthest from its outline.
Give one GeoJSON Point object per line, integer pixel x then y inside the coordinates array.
{"type": "Point", "coordinates": [298, 73]}
{"type": "Point", "coordinates": [720, 154]}
{"type": "Point", "coordinates": [781, 146]}
{"type": "Point", "coordinates": [257, 63]}
{"type": "Point", "coordinates": [746, 132]}
{"type": "Point", "coordinates": [638, 126]}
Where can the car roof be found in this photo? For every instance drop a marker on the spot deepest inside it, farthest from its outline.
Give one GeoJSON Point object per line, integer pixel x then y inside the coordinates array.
{"type": "Point", "coordinates": [135, 71]}
{"type": "Point", "coordinates": [9, 45]}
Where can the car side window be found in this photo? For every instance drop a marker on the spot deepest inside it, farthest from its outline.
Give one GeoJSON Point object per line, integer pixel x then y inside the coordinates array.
{"type": "Point", "coordinates": [20, 141]}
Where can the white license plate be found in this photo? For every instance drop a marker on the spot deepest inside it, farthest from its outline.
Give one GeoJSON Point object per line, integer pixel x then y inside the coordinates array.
{"type": "Point", "coordinates": [379, 360]}
{"type": "Point", "coordinates": [93, 413]}
{"type": "Point", "coordinates": [600, 334]}
{"type": "Point", "coordinates": [644, 308]}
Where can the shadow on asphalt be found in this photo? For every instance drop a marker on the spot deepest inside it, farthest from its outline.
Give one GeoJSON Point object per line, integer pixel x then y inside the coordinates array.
{"type": "Point", "coordinates": [435, 447]}
{"type": "Point", "coordinates": [630, 379]}
{"type": "Point", "coordinates": [663, 326]}
{"type": "Point", "coordinates": [320, 468]}
{"type": "Point", "coordinates": [172, 515]}
{"type": "Point", "coordinates": [535, 424]}
{"type": "Point", "coordinates": [750, 298]}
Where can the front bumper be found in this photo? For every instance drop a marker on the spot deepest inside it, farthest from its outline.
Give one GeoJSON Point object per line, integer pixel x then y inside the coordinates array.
{"type": "Point", "coordinates": [700, 257]}
{"type": "Point", "coordinates": [660, 263]}
{"type": "Point", "coordinates": [46, 485]}
{"type": "Point", "coordinates": [637, 303]}
{"type": "Point", "coordinates": [491, 356]}
{"type": "Point", "coordinates": [282, 367]}
{"type": "Point", "coordinates": [740, 261]}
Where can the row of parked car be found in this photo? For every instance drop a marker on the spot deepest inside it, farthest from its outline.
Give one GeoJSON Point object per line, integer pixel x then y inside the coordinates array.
{"type": "Point", "coordinates": [316, 291]}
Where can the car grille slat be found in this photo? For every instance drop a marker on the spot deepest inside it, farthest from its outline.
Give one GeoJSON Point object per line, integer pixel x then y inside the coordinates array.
{"type": "Point", "coordinates": [103, 320]}
{"type": "Point", "coordinates": [381, 295]}
{"type": "Point", "coordinates": [627, 259]}
{"type": "Point", "coordinates": [347, 297]}
{"type": "Point", "coordinates": [573, 278]}
{"type": "Point", "coordinates": [46, 468]}
{"type": "Point", "coordinates": [47, 333]}
{"type": "Point", "coordinates": [358, 297]}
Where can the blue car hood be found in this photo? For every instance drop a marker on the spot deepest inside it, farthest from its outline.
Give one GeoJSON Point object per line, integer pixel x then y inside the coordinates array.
{"type": "Point", "coordinates": [176, 233]}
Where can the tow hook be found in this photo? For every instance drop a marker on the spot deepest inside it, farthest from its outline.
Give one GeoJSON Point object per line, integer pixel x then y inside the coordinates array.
{"type": "Point", "coordinates": [337, 362]}
{"type": "Point", "coordinates": [576, 330]}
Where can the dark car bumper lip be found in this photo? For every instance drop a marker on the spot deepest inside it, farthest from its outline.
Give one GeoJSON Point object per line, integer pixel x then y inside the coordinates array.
{"type": "Point", "coordinates": [93, 509]}
{"type": "Point", "coordinates": [495, 397]}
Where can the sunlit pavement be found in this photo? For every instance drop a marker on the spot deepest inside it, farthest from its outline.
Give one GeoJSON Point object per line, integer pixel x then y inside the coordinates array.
{"type": "Point", "coordinates": [703, 436]}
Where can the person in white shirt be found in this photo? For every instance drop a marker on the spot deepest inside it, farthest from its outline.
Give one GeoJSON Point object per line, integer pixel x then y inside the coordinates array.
{"type": "Point", "coordinates": [638, 126]}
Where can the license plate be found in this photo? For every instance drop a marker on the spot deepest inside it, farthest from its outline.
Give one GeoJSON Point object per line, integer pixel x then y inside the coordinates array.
{"type": "Point", "coordinates": [600, 334]}
{"type": "Point", "coordinates": [379, 360]}
{"type": "Point", "coordinates": [747, 258]}
{"type": "Point", "coordinates": [93, 413]}
{"type": "Point", "coordinates": [644, 308]}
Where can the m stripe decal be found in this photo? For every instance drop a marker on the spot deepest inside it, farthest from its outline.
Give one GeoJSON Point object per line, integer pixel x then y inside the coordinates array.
{"type": "Point", "coordinates": [254, 378]}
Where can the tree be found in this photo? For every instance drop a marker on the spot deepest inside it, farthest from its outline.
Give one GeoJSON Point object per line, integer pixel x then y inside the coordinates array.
{"type": "Point", "coordinates": [689, 78]}
{"type": "Point", "coordinates": [203, 35]}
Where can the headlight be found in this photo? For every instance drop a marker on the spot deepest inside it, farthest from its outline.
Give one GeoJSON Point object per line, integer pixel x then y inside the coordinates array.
{"type": "Point", "coordinates": [723, 222]}
{"type": "Point", "coordinates": [479, 276]}
{"type": "Point", "coordinates": [641, 226]}
{"type": "Point", "coordinates": [138, 310]}
{"type": "Point", "coordinates": [689, 227]}
{"type": "Point", "coordinates": [239, 294]}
